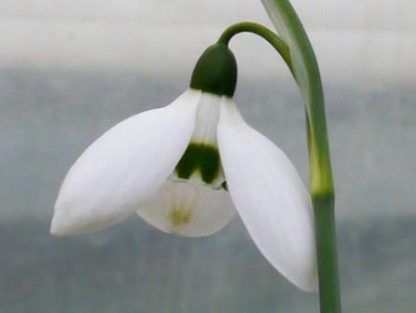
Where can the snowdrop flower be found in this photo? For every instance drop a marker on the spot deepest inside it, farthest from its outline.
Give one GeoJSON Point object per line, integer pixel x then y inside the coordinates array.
{"type": "Point", "coordinates": [186, 167]}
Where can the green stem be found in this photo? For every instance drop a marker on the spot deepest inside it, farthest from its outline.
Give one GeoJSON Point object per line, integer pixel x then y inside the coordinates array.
{"type": "Point", "coordinates": [327, 257]}
{"type": "Point", "coordinates": [306, 72]}
{"type": "Point", "coordinates": [271, 37]}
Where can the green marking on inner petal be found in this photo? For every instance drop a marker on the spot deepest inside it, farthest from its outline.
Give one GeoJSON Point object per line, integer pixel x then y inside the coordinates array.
{"type": "Point", "coordinates": [180, 216]}
{"type": "Point", "coordinates": [200, 157]}
{"type": "Point", "coordinates": [224, 186]}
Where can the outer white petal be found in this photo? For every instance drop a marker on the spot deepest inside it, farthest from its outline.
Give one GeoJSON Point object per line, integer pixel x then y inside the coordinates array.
{"type": "Point", "coordinates": [188, 208]}
{"type": "Point", "coordinates": [123, 167]}
{"type": "Point", "coordinates": [270, 198]}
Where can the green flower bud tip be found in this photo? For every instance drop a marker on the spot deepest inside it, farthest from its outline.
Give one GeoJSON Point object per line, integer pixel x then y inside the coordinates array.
{"type": "Point", "coordinates": [216, 71]}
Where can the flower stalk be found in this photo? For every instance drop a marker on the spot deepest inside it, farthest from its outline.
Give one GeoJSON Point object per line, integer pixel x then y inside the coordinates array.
{"type": "Point", "coordinates": [271, 37]}
{"type": "Point", "coordinates": [306, 72]}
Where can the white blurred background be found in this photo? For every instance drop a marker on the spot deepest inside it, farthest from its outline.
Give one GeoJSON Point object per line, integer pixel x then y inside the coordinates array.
{"type": "Point", "coordinates": [69, 70]}
{"type": "Point", "coordinates": [355, 38]}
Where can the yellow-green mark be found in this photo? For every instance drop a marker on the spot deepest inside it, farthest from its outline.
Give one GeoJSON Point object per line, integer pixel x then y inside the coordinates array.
{"type": "Point", "coordinates": [180, 217]}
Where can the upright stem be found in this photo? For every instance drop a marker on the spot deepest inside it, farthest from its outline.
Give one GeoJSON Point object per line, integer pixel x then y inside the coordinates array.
{"type": "Point", "coordinates": [307, 75]}
{"type": "Point", "coordinates": [327, 257]}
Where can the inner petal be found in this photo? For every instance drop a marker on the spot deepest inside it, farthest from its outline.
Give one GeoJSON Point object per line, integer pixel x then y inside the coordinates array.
{"type": "Point", "coordinates": [201, 158]}
{"type": "Point", "coordinates": [207, 118]}
{"type": "Point", "coordinates": [188, 208]}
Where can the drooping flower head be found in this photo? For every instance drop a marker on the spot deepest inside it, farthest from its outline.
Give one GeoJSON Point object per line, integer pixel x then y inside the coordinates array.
{"type": "Point", "coordinates": [186, 167]}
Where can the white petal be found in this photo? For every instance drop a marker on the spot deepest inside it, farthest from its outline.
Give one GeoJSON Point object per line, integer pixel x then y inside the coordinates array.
{"type": "Point", "coordinates": [207, 119]}
{"type": "Point", "coordinates": [124, 166]}
{"type": "Point", "coordinates": [270, 197]}
{"type": "Point", "coordinates": [188, 208]}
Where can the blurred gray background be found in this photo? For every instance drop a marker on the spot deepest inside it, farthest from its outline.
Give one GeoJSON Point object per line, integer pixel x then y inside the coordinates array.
{"type": "Point", "coordinates": [69, 70]}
